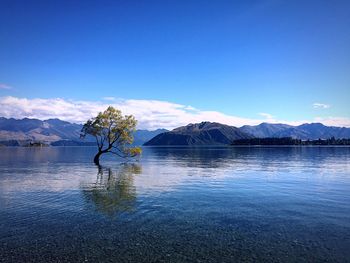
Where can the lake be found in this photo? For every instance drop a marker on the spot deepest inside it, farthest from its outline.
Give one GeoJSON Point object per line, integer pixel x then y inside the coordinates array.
{"type": "Point", "coordinates": [217, 204]}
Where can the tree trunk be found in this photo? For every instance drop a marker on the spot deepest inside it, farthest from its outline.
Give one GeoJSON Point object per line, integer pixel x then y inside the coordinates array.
{"type": "Point", "coordinates": [97, 158]}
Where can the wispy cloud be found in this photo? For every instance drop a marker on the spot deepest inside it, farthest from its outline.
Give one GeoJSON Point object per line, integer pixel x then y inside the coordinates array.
{"type": "Point", "coordinates": [266, 115]}
{"type": "Point", "coordinates": [5, 86]}
{"type": "Point", "coordinates": [318, 105]}
{"type": "Point", "coordinates": [151, 114]}
{"type": "Point", "coordinates": [334, 121]}
{"type": "Point", "coordinates": [109, 98]}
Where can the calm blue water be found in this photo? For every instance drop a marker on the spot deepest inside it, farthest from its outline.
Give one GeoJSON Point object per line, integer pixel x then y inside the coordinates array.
{"type": "Point", "coordinates": [176, 205]}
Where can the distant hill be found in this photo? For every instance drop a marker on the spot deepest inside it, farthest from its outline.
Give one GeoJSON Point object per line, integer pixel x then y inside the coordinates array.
{"type": "Point", "coordinates": [290, 141]}
{"type": "Point", "coordinates": [142, 136]}
{"type": "Point", "coordinates": [204, 133]}
{"type": "Point", "coordinates": [265, 130]}
{"type": "Point", "coordinates": [14, 132]}
{"type": "Point", "coordinates": [311, 131]}
{"type": "Point", "coordinates": [36, 130]}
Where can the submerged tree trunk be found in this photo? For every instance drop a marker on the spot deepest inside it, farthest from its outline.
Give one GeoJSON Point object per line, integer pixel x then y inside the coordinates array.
{"type": "Point", "coordinates": [97, 158]}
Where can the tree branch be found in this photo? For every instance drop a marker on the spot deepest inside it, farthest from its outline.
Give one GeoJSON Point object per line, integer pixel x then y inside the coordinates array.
{"type": "Point", "coordinates": [115, 139]}
{"type": "Point", "coordinates": [98, 143]}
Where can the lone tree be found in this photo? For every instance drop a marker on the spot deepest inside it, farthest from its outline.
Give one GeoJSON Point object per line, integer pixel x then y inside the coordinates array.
{"type": "Point", "coordinates": [113, 133]}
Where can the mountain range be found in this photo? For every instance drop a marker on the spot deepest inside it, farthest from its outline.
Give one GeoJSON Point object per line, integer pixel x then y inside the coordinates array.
{"type": "Point", "coordinates": [209, 133]}
{"type": "Point", "coordinates": [307, 131]}
{"type": "Point", "coordinates": [204, 133]}
{"type": "Point", "coordinates": [55, 132]}
{"type": "Point", "coordinates": [61, 133]}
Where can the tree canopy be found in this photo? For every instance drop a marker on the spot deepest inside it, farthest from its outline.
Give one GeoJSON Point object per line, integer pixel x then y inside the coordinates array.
{"type": "Point", "coordinates": [113, 133]}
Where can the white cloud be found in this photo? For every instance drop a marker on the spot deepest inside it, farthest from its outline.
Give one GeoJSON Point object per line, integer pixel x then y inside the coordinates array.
{"type": "Point", "coordinates": [191, 108]}
{"type": "Point", "coordinates": [318, 105]}
{"type": "Point", "coordinates": [5, 86]}
{"type": "Point", "coordinates": [334, 121]}
{"type": "Point", "coordinates": [151, 114]}
{"type": "Point", "coordinates": [109, 98]}
{"type": "Point", "coordinates": [266, 115]}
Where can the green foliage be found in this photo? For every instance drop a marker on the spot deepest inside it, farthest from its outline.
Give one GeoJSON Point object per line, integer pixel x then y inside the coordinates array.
{"type": "Point", "coordinates": [113, 133]}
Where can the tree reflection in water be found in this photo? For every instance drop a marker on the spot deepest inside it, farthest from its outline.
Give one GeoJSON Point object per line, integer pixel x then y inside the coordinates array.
{"type": "Point", "coordinates": [113, 191]}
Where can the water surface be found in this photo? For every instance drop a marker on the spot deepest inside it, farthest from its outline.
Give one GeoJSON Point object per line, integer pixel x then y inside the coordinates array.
{"type": "Point", "coordinates": [244, 204]}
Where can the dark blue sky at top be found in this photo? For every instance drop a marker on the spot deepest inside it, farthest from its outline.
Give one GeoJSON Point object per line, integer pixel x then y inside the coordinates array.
{"type": "Point", "coordinates": [237, 57]}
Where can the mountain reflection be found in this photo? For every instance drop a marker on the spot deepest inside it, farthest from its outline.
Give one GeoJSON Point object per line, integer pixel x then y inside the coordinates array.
{"type": "Point", "coordinates": [114, 190]}
{"type": "Point", "coordinates": [251, 158]}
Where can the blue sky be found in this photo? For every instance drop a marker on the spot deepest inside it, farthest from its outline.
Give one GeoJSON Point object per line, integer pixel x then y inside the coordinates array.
{"type": "Point", "coordinates": [239, 58]}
